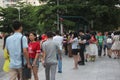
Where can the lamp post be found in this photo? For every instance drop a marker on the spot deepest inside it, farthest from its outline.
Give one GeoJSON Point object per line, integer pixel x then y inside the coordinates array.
{"type": "Point", "coordinates": [18, 8]}
{"type": "Point", "coordinates": [61, 25]}
{"type": "Point", "coordinates": [58, 15]}
{"type": "Point", "coordinates": [19, 12]}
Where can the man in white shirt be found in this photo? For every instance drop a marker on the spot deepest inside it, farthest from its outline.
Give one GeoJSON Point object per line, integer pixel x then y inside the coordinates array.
{"type": "Point", "coordinates": [59, 40]}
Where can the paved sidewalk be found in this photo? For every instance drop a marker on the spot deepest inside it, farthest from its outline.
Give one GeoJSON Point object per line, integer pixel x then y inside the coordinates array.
{"type": "Point", "coordinates": [103, 69]}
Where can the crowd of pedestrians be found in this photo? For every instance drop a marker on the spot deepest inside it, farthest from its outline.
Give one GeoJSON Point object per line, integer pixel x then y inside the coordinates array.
{"type": "Point", "coordinates": [49, 48]}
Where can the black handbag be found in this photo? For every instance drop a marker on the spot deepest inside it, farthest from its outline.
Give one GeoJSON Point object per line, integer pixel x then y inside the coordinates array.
{"type": "Point", "coordinates": [26, 72]}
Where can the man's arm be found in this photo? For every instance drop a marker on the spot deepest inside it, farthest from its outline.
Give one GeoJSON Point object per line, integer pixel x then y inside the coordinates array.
{"type": "Point", "coordinates": [59, 51]}
{"type": "Point", "coordinates": [43, 54]}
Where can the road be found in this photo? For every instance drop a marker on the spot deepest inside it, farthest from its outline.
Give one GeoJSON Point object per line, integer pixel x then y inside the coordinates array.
{"type": "Point", "coordinates": [1, 57]}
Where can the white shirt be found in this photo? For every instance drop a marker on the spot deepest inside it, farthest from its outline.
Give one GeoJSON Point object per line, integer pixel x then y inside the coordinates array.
{"type": "Point", "coordinates": [75, 43]}
{"type": "Point", "coordinates": [58, 39]}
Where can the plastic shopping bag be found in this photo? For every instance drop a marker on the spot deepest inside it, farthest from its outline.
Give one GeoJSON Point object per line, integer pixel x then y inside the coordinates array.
{"type": "Point", "coordinates": [7, 61]}
{"type": "Point", "coordinates": [6, 66]}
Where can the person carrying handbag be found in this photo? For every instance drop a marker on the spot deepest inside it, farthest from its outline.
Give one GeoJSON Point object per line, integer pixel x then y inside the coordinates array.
{"type": "Point", "coordinates": [13, 45]}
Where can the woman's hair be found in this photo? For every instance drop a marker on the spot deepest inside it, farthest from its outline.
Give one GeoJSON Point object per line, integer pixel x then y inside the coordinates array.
{"type": "Point", "coordinates": [75, 35]}
{"type": "Point", "coordinates": [40, 37]}
{"type": "Point", "coordinates": [34, 35]}
{"type": "Point", "coordinates": [4, 43]}
{"type": "Point", "coordinates": [93, 34]}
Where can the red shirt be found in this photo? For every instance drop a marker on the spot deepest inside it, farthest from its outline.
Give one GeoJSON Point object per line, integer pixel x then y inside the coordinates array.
{"type": "Point", "coordinates": [33, 49]}
{"type": "Point", "coordinates": [93, 39]}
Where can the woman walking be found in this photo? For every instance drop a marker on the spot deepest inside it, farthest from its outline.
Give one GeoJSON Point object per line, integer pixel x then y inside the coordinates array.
{"type": "Point", "coordinates": [115, 47]}
{"type": "Point", "coordinates": [109, 43]}
{"type": "Point", "coordinates": [74, 42]}
{"type": "Point", "coordinates": [93, 47]}
{"type": "Point", "coordinates": [34, 51]}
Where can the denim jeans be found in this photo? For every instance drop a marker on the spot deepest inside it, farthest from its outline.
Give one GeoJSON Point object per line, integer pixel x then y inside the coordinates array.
{"type": "Point", "coordinates": [99, 50]}
{"type": "Point", "coordinates": [59, 63]}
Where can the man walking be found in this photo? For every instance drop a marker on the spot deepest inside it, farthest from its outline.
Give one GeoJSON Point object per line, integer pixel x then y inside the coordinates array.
{"type": "Point", "coordinates": [50, 49]}
{"type": "Point", "coordinates": [82, 43]}
{"type": "Point", "coordinates": [100, 39]}
{"type": "Point", "coordinates": [59, 40]}
{"type": "Point", "coordinates": [13, 45]}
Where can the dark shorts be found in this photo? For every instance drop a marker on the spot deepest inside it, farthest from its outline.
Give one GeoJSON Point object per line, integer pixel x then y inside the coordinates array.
{"type": "Point", "coordinates": [109, 45]}
{"type": "Point", "coordinates": [75, 51]}
{"type": "Point", "coordinates": [31, 62]}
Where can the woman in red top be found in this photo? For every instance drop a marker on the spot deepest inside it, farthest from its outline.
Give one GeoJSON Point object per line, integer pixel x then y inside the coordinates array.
{"type": "Point", "coordinates": [93, 47]}
{"type": "Point", "coordinates": [34, 52]}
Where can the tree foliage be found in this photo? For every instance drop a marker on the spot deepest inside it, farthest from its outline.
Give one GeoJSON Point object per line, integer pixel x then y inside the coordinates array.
{"type": "Point", "coordinates": [103, 13]}
{"type": "Point", "coordinates": [8, 15]}
{"type": "Point", "coordinates": [27, 17]}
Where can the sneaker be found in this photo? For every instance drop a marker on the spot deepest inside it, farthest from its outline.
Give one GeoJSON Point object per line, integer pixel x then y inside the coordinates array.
{"type": "Point", "coordinates": [104, 55]}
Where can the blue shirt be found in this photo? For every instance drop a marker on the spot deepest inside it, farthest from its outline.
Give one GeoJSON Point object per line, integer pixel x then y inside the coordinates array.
{"type": "Point", "coordinates": [13, 45]}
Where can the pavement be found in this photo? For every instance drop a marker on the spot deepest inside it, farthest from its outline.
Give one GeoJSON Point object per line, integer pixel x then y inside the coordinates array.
{"type": "Point", "coordinates": [102, 69]}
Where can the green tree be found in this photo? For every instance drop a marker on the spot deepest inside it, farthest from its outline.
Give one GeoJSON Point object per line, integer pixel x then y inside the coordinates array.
{"type": "Point", "coordinates": [103, 12]}
{"type": "Point", "coordinates": [27, 17]}
{"type": "Point", "coordinates": [8, 15]}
